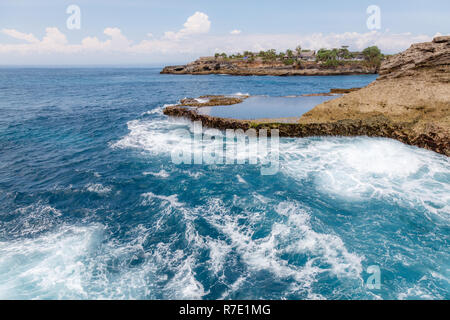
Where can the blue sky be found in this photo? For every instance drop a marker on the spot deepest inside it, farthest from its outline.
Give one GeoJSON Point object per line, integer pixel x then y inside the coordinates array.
{"type": "Point", "coordinates": [259, 24]}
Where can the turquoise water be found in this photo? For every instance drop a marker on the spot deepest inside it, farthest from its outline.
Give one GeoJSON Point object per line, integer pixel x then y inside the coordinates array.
{"type": "Point", "coordinates": [93, 207]}
{"type": "Point", "coordinates": [261, 107]}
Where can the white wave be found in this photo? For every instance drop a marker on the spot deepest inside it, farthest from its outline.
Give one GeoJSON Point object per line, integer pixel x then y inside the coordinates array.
{"type": "Point", "coordinates": [39, 208]}
{"type": "Point", "coordinates": [218, 252]}
{"type": "Point", "coordinates": [330, 248]}
{"type": "Point", "coordinates": [162, 137]}
{"type": "Point", "coordinates": [354, 169]}
{"type": "Point", "coordinates": [184, 284]}
{"type": "Point", "coordinates": [233, 287]}
{"type": "Point", "coordinates": [201, 100]}
{"type": "Point", "coordinates": [162, 174]}
{"type": "Point", "coordinates": [357, 169]}
{"type": "Point", "coordinates": [240, 94]}
{"type": "Point", "coordinates": [194, 175]}
{"type": "Point", "coordinates": [157, 110]}
{"type": "Point", "coordinates": [155, 136]}
{"type": "Point", "coordinates": [50, 266]}
{"type": "Point", "coordinates": [419, 291]}
{"type": "Point", "coordinates": [240, 179]}
{"type": "Point", "coordinates": [75, 263]}
{"type": "Point", "coordinates": [292, 236]}
{"type": "Point", "coordinates": [33, 219]}
{"type": "Point", "coordinates": [98, 188]}
{"type": "Point", "coordinates": [150, 196]}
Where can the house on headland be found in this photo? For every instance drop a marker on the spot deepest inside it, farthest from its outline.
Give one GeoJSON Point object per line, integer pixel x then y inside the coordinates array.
{"type": "Point", "coordinates": [308, 55]}
{"type": "Point", "coordinates": [358, 56]}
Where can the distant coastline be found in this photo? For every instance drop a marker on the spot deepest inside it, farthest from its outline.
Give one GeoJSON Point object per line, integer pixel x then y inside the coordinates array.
{"type": "Point", "coordinates": [296, 62]}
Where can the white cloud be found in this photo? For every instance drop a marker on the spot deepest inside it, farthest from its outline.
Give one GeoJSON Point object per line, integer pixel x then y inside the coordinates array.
{"type": "Point", "coordinates": [118, 41]}
{"type": "Point", "coordinates": [196, 24]}
{"type": "Point", "coordinates": [20, 35]}
{"type": "Point", "coordinates": [235, 32]}
{"type": "Point", "coordinates": [92, 43]}
{"type": "Point", "coordinates": [54, 38]}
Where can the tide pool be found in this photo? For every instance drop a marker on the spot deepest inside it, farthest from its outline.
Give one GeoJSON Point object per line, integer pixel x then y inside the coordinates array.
{"type": "Point", "coordinates": [263, 107]}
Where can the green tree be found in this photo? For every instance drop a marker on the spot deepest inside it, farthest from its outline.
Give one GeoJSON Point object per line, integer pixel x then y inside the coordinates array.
{"type": "Point", "coordinates": [270, 55]}
{"type": "Point", "coordinates": [328, 57]}
{"type": "Point", "coordinates": [373, 56]}
{"type": "Point", "coordinates": [344, 53]}
{"type": "Point", "coordinates": [289, 61]}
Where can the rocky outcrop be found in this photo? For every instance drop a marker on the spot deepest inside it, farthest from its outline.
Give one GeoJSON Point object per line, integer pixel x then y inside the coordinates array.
{"type": "Point", "coordinates": [211, 100]}
{"type": "Point", "coordinates": [409, 102]}
{"type": "Point", "coordinates": [211, 65]}
{"type": "Point", "coordinates": [412, 96]}
{"type": "Point", "coordinates": [421, 57]}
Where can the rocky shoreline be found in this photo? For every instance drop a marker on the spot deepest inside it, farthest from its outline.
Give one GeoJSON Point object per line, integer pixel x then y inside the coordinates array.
{"type": "Point", "coordinates": [409, 102]}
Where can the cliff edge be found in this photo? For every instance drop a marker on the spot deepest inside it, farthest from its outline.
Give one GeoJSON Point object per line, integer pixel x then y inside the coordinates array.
{"type": "Point", "coordinates": [410, 101]}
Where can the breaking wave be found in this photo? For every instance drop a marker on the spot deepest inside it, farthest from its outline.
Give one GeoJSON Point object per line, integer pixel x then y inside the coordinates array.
{"type": "Point", "coordinates": [371, 186]}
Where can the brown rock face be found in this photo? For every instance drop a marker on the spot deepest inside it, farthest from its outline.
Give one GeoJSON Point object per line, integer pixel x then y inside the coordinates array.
{"type": "Point", "coordinates": [412, 95]}
{"type": "Point", "coordinates": [420, 57]}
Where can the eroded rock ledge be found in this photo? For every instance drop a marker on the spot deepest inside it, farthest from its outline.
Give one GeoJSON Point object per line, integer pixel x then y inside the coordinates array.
{"type": "Point", "coordinates": [375, 126]}
{"type": "Point", "coordinates": [410, 102]}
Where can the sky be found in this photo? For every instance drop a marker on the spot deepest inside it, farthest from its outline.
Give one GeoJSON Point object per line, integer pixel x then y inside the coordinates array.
{"type": "Point", "coordinates": [139, 32]}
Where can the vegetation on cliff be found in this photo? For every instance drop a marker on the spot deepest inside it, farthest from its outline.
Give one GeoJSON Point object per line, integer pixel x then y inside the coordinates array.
{"type": "Point", "coordinates": [328, 56]}
{"type": "Point", "coordinates": [289, 63]}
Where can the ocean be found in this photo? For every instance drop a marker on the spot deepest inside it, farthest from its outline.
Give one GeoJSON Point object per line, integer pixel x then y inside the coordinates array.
{"type": "Point", "coordinates": [92, 207]}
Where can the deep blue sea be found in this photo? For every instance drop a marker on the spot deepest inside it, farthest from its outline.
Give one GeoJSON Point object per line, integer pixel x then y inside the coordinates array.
{"type": "Point", "coordinates": [92, 207]}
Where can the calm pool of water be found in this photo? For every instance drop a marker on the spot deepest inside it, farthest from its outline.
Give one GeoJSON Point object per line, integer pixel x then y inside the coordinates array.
{"type": "Point", "coordinates": [260, 107]}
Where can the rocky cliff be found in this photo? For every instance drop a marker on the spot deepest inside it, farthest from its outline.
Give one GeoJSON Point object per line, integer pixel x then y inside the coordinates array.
{"type": "Point", "coordinates": [410, 99]}
{"type": "Point", "coordinates": [429, 58]}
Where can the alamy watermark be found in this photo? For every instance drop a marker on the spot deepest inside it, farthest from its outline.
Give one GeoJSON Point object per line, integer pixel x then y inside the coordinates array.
{"type": "Point", "coordinates": [374, 281]}
{"type": "Point", "coordinates": [73, 22]}
{"type": "Point", "coordinates": [374, 19]}
{"type": "Point", "coordinates": [237, 146]}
